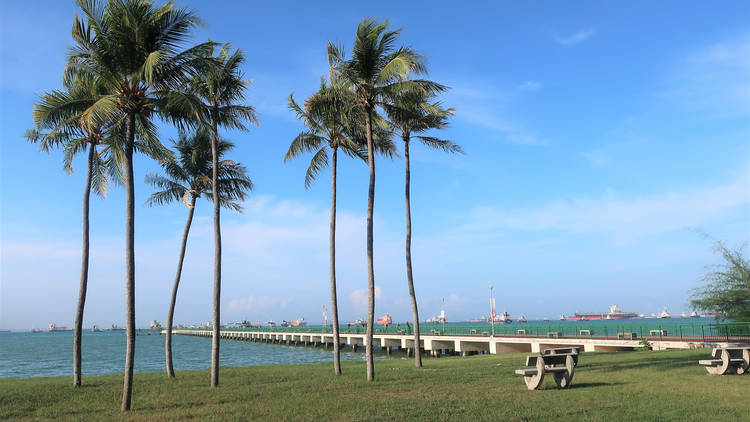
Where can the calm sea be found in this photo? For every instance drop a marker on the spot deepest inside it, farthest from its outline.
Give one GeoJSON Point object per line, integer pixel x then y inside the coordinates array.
{"type": "Point", "coordinates": [24, 354]}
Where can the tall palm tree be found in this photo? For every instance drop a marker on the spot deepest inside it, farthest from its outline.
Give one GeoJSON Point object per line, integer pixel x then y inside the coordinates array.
{"type": "Point", "coordinates": [220, 90]}
{"type": "Point", "coordinates": [134, 47]}
{"type": "Point", "coordinates": [412, 113]}
{"type": "Point", "coordinates": [59, 112]}
{"type": "Point", "coordinates": [376, 71]}
{"type": "Point", "coordinates": [331, 126]}
{"type": "Point", "coordinates": [188, 178]}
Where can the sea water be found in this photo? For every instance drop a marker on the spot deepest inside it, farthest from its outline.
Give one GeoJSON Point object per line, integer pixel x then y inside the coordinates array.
{"type": "Point", "coordinates": [50, 354]}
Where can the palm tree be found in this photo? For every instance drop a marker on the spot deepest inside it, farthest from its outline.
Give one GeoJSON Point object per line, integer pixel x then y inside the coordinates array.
{"type": "Point", "coordinates": [60, 112]}
{"type": "Point", "coordinates": [219, 88]}
{"type": "Point", "coordinates": [187, 179]}
{"type": "Point", "coordinates": [410, 114]}
{"type": "Point", "coordinates": [328, 118]}
{"type": "Point", "coordinates": [134, 47]}
{"type": "Point", "coordinates": [377, 71]}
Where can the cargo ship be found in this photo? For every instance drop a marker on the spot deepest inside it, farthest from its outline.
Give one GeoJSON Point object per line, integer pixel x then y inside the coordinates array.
{"type": "Point", "coordinates": [614, 313]}
{"type": "Point", "coordinates": [385, 320]}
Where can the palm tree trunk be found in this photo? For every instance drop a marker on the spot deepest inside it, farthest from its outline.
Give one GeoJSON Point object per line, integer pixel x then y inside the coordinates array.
{"type": "Point", "coordinates": [334, 300]}
{"type": "Point", "coordinates": [409, 276]}
{"type": "Point", "coordinates": [217, 256]}
{"type": "Point", "coordinates": [130, 263]}
{"type": "Point", "coordinates": [170, 316]}
{"type": "Point", "coordinates": [84, 273]}
{"type": "Point", "coordinates": [370, 268]}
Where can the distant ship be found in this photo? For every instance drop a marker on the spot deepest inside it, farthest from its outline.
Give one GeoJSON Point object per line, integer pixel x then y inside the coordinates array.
{"type": "Point", "coordinates": [614, 313]}
{"type": "Point", "coordinates": [52, 327]}
{"type": "Point", "coordinates": [664, 314]}
{"type": "Point", "coordinates": [35, 330]}
{"type": "Point", "coordinates": [155, 325]}
{"type": "Point", "coordinates": [482, 318]}
{"type": "Point", "coordinates": [521, 319]}
{"type": "Point", "coordinates": [562, 317]}
{"type": "Point", "coordinates": [503, 318]}
{"type": "Point", "coordinates": [95, 328]}
{"type": "Point", "coordinates": [271, 323]}
{"type": "Point", "coordinates": [114, 327]}
{"type": "Point", "coordinates": [439, 319]}
{"type": "Point", "coordinates": [298, 322]}
{"type": "Point", "coordinates": [358, 321]}
{"type": "Point", "coordinates": [385, 319]}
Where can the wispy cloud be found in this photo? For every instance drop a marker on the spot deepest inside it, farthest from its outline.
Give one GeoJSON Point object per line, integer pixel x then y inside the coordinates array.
{"type": "Point", "coordinates": [625, 218]}
{"type": "Point", "coordinates": [530, 86]}
{"type": "Point", "coordinates": [714, 80]}
{"type": "Point", "coordinates": [509, 130]}
{"type": "Point", "coordinates": [597, 158]}
{"type": "Point", "coordinates": [359, 298]}
{"type": "Point", "coordinates": [260, 303]}
{"type": "Point", "coordinates": [575, 38]}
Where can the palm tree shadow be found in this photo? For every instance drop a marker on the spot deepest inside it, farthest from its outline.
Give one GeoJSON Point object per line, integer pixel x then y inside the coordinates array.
{"type": "Point", "coordinates": [595, 384]}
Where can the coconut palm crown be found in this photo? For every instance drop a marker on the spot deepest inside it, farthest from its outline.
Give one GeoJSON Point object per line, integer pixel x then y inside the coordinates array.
{"type": "Point", "coordinates": [135, 48]}
{"type": "Point", "coordinates": [377, 72]}
{"type": "Point", "coordinates": [188, 178]}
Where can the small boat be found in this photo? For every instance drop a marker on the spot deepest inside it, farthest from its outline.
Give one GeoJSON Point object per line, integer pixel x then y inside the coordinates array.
{"type": "Point", "coordinates": [271, 323]}
{"type": "Point", "coordinates": [95, 329]}
{"type": "Point", "coordinates": [521, 319]}
{"type": "Point", "coordinates": [482, 318]}
{"type": "Point", "coordinates": [155, 325]}
{"type": "Point", "coordinates": [35, 330]}
{"type": "Point", "coordinates": [285, 323]}
{"type": "Point", "coordinates": [562, 317]}
{"type": "Point", "coordinates": [385, 320]}
{"type": "Point", "coordinates": [694, 315]}
{"type": "Point", "coordinates": [114, 327]}
{"type": "Point", "coordinates": [664, 314]}
{"type": "Point", "coordinates": [545, 319]}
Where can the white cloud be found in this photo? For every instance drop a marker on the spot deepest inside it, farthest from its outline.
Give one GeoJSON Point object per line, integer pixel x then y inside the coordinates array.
{"type": "Point", "coordinates": [597, 158]}
{"type": "Point", "coordinates": [359, 297]}
{"type": "Point", "coordinates": [575, 38]}
{"type": "Point", "coordinates": [616, 215]}
{"type": "Point", "coordinates": [261, 303]}
{"type": "Point", "coordinates": [510, 131]}
{"type": "Point", "coordinates": [714, 79]}
{"type": "Point", "coordinates": [530, 86]}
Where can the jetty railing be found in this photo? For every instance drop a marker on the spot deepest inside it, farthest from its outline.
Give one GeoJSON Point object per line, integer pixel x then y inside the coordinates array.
{"type": "Point", "coordinates": [705, 332]}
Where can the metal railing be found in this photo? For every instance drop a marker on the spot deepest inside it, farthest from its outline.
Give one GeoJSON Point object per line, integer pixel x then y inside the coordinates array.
{"type": "Point", "coordinates": [699, 331]}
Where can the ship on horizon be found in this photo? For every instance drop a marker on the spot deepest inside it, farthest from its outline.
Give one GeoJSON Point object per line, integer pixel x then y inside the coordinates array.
{"type": "Point", "coordinates": [614, 313]}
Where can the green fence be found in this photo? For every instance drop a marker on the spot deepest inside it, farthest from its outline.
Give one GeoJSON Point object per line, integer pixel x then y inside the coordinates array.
{"type": "Point", "coordinates": [703, 332]}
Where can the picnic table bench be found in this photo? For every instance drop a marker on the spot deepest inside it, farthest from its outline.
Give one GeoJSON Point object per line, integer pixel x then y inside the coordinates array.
{"type": "Point", "coordinates": [553, 334]}
{"type": "Point", "coordinates": [627, 336]}
{"type": "Point", "coordinates": [585, 332]}
{"type": "Point", "coordinates": [728, 360]}
{"type": "Point", "coordinates": [657, 333]}
{"type": "Point", "coordinates": [575, 351]}
{"type": "Point", "coordinates": [522, 331]}
{"type": "Point", "coordinates": [561, 366]}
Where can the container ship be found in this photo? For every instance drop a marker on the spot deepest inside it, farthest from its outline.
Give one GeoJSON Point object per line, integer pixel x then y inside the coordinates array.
{"type": "Point", "coordinates": [614, 313]}
{"type": "Point", "coordinates": [385, 320]}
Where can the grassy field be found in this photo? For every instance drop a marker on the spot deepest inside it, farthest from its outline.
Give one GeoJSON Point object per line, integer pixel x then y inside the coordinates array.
{"type": "Point", "coordinates": [627, 386]}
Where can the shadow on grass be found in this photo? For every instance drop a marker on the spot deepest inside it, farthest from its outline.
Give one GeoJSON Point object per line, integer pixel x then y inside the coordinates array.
{"type": "Point", "coordinates": [594, 384]}
{"type": "Point", "coordinates": [642, 363]}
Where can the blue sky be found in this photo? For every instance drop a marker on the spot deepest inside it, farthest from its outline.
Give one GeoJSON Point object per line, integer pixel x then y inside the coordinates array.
{"type": "Point", "coordinates": [599, 138]}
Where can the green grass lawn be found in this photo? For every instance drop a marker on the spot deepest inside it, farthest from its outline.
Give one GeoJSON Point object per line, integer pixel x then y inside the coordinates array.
{"type": "Point", "coordinates": [627, 386]}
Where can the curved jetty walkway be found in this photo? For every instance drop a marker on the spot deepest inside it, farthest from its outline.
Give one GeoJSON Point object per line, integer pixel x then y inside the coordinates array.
{"type": "Point", "coordinates": [464, 341]}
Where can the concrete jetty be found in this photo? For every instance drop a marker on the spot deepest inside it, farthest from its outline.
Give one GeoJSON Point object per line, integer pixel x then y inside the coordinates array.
{"type": "Point", "coordinates": [436, 344]}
